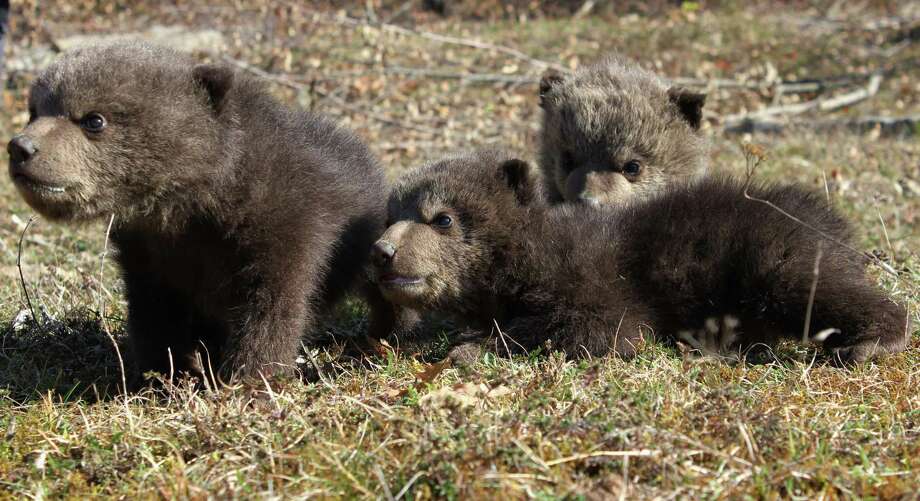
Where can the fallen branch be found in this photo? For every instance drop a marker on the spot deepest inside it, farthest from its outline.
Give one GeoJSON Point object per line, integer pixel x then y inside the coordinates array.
{"type": "Point", "coordinates": [294, 84]}
{"type": "Point", "coordinates": [435, 37]}
{"type": "Point", "coordinates": [886, 126]}
{"type": "Point", "coordinates": [466, 77]}
{"type": "Point", "coordinates": [781, 87]}
{"type": "Point", "coordinates": [826, 104]}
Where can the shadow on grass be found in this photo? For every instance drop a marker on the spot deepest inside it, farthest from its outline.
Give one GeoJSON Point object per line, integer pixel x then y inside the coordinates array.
{"type": "Point", "coordinates": [72, 358]}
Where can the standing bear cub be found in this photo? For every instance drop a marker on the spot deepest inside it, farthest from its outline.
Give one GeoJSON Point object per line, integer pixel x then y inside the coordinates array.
{"type": "Point", "coordinates": [613, 133]}
{"type": "Point", "coordinates": [471, 236]}
{"type": "Point", "coordinates": [236, 219]}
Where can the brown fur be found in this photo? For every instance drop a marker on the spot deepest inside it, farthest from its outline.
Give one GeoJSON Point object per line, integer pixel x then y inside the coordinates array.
{"type": "Point", "coordinates": [236, 219]}
{"type": "Point", "coordinates": [700, 257]}
{"type": "Point", "coordinates": [614, 132]}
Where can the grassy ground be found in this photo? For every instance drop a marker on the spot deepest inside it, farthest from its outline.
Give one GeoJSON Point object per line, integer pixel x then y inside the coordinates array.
{"type": "Point", "coordinates": [662, 425]}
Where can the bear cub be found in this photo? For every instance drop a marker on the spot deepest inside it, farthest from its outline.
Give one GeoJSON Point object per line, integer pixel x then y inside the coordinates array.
{"type": "Point", "coordinates": [614, 132]}
{"type": "Point", "coordinates": [237, 220]}
{"type": "Point", "coordinates": [471, 236]}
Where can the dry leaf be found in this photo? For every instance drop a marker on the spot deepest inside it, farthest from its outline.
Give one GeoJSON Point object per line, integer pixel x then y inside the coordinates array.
{"type": "Point", "coordinates": [432, 371]}
{"type": "Point", "coordinates": [425, 376]}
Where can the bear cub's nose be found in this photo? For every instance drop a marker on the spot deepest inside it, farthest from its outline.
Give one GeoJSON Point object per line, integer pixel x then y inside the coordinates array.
{"type": "Point", "coordinates": [21, 149]}
{"type": "Point", "coordinates": [383, 252]}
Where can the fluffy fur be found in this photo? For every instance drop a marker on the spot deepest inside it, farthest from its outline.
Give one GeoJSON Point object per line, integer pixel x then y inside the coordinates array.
{"type": "Point", "coordinates": [471, 237]}
{"type": "Point", "coordinates": [614, 132]}
{"type": "Point", "coordinates": [236, 219]}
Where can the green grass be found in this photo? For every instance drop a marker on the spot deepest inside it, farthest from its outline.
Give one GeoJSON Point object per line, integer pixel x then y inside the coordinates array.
{"type": "Point", "coordinates": [665, 424]}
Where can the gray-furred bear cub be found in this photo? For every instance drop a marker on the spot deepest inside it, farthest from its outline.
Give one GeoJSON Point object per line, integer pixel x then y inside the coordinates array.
{"type": "Point", "coordinates": [470, 236]}
{"type": "Point", "coordinates": [236, 219]}
{"type": "Point", "coordinates": [613, 133]}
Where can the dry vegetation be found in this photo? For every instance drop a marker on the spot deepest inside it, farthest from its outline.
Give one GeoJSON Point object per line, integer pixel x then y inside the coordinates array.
{"type": "Point", "coordinates": [662, 425]}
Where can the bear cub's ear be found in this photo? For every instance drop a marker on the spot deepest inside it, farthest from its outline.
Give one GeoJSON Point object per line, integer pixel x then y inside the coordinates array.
{"type": "Point", "coordinates": [550, 79]}
{"type": "Point", "coordinates": [216, 79]}
{"type": "Point", "coordinates": [518, 177]}
{"type": "Point", "coordinates": [689, 104]}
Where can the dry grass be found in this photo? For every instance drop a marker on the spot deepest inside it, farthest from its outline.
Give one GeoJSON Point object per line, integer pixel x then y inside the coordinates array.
{"type": "Point", "coordinates": [661, 425]}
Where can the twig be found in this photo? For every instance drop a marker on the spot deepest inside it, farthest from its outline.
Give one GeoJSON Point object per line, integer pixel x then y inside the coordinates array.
{"type": "Point", "coordinates": [585, 9]}
{"type": "Point", "coordinates": [294, 84]}
{"type": "Point", "coordinates": [616, 334]}
{"type": "Point", "coordinates": [401, 11]}
{"type": "Point", "coordinates": [101, 299]}
{"type": "Point", "coordinates": [884, 228]}
{"type": "Point", "coordinates": [268, 389]}
{"type": "Point", "coordinates": [22, 278]}
{"type": "Point", "coordinates": [209, 369]}
{"type": "Point", "coordinates": [885, 266]}
{"type": "Point", "coordinates": [387, 493]}
{"type": "Point", "coordinates": [787, 87]}
{"type": "Point", "coordinates": [748, 442]}
{"type": "Point", "coordinates": [886, 126]}
{"type": "Point", "coordinates": [814, 288]}
{"type": "Point", "coordinates": [105, 324]}
{"type": "Point", "coordinates": [466, 77]}
{"type": "Point", "coordinates": [782, 87]}
{"type": "Point", "coordinates": [828, 104]}
{"type": "Point", "coordinates": [502, 336]}
{"type": "Point", "coordinates": [615, 454]}
{"type": "Point", "coordinates": [402, 492]}
{"type": "Point", "coordinates": [445, 39]}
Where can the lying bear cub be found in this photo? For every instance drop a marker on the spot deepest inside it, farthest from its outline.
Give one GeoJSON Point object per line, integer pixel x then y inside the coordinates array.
{"type": "Point", "coordinates": [237, 220]}
{"type": "Point", "coordinates": [472, 237]}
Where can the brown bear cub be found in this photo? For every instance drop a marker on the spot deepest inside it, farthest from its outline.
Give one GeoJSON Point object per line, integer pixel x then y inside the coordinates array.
{"type": "Point", "coordinates": [614, 132]}
{"type": "Point", "coordinates": [472, 236]}
{"type": "Point", "coordinates": [236, 219]}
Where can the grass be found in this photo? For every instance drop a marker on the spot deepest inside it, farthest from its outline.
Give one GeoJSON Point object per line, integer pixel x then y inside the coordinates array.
{"type": "Point", "coordinates": [665, 424]}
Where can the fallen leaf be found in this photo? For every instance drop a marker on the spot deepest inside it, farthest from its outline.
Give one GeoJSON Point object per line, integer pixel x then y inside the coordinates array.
{"type": "Point", "coordinates": [425, 376]}
{"type": "Point", "coordinates": [432, 371]}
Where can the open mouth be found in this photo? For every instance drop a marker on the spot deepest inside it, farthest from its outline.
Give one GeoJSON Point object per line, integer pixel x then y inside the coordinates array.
{"type": "Point", "coordinates": [37, 186]}
{"type": "Point", "coordinates": [394, 280]}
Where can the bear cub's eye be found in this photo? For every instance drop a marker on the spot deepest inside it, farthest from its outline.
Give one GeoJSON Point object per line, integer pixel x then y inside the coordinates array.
{"type": "Point", "coordinates": [93, 122]}
{"type": "Point", "coordinates": [632, 168]}
{"type": "Point", "coordinates": [443, 221]}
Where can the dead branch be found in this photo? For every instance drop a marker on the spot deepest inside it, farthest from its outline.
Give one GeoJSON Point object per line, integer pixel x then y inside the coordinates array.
{"type": "Point", "coordinates": [434, 37]}
{"type": "Point", "coordinates": [823, 105]}
{"type": "Point", "coordinates": [291, 83]}
{"type": "Point", "coordinates": [466, 77]}
{"type": "Point", "coordinates": [791, 87]}
{"type": "Point", "coordinates": [886, 126]}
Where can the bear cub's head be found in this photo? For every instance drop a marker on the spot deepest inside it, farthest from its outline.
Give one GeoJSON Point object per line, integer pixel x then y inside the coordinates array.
{"type": "Point", "coordinates": [121, 129]}
{"type": "Point", "coordinates": [614, 132]}
{"type": "Point", "coordinates": [447, 223]}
